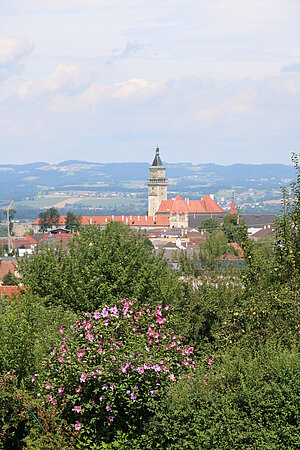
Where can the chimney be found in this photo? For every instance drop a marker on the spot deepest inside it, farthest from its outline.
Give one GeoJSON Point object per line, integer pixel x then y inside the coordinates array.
{"type": "Point", "coordinates": [146, 218]}
{"type": "Point", "coordinates": [112, 217]}
{"type": "Point", "coordinates": [187, 200]}
{"type": "Point", "coordinates": [91, 221]}
{"type": "Point", "coordinates": [138, 218]}
{"type": "Point", "coordinates": [122, 217]}
{"type": "Point", "coordinates": [126, 220]}
{"type": "Point", "coordinates": [105, 219]}
{"type": "Point", "coordinates": [130, 217]}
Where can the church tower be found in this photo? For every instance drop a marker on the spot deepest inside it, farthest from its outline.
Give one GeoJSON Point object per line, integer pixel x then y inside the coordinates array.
{"type": "Point", "coordinates": [157, 185]}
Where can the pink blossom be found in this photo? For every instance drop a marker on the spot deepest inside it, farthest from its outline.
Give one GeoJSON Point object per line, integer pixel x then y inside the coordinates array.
{"type": "Point", "coordinates": [156, 367]}
{"type": "Point", "coordinates": [100, 350]}
{"type": "Point", "coordinates": [93, 375]}
{"type": "Point", "coordinates": [108, 407]}
{"type": "Point", "coordinates": [77, 409]}
{"type": "Point", "coordinates": [33, 379]}
{"type": "Point", "coordinates": [83, 377]}
{"type": "Point", "coordinates": [167, 307]}
{"type": "Point", "coordinates": [111, 418]}
{"type": "Point", "coordinates": [210, 361]}
{"type": "Point", "coordinates": [60, 358]}
{"type": "Point", "coordinates": [88, 314]}
{"type": "Point", "coordinates": [50, 398]}
{"type": "Point", "coordinates": [61, 390]}
{"type": "Point", "coordinates": [172, 377]}
{"type": "Point", "coordinates": [90, 337]}
{"type": "Point", "coordinates": [77, 426]}
{"type": "Point", "coordinates": [190, 351]}
{"type": "Point", "coordinates": [160, 320]}
{"type": "Point", "coordinates": [48, 385]}
{"type": "Point", "coordinates": [61, 330]}
{"type": "Point", "coordinates": [80, 353]}
{"type": "Point", "coordinates": [104, 312]}
{"type": "Point", "coordinates": [153, 393]}
{"type": "Point", "coordinates": [140, 369]}
{"type": "Point", "coordinates": [97, 315]}
{"type": "Point", "coordinates": [114, 311]}
{"type": "Point", "coordinates": [133, 396]}
{"type": "Point", "coordinates": [79, 389]}
{"type": "Point", "coordinates": [53, 351]}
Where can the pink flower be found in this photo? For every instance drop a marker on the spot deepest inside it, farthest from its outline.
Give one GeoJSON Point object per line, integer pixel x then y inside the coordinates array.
{"type": "Point", "coordinates": [114, 311]}
{"type": "Point", "coordinates": [100, 350]}
{"type": "Point", "coordinates": [61, 330]}
{"type": "Point", "coordinates": [111, 418]}
{"type": "Point", "coordinates": [77, 409]}
{"type": "Point", "coordinates": [93, 375]}
{"type": "Point", "coordinates": [210, 361]}
{"type": "Point", "coordinates": [153, 393]}
{"type": "Point", "coordinates": [172, 377]}
{"type": "Point", "coordinates": [167, 307]}
{"type": "Point", "coordinates": [53, 351]}
{"type": "Point", "coordinates": [60, 358]}
{"type": "Point", "coordinates": [77, 426]}
{"type": "Point", "coordinates": [190, 351]}
{"type": "Point", "coordinates": [83, 377]}
{"type": "Point", "coordinates": [88, 314]}
{"type": "Point", "coordinates": [97, 315]}
{"type": "Point", "coordinates": [79, 389]}
{"type": "Point", "coordinates": [133, 396]}
{"type": "Point", "coordinates": [108, 407]}
{"type": "Point", "coordinates": [80, 353]}
{"type": "Point", "coordinates": [140, 369]}
{"type": "Point", "coordinates": [33, 379]}
{"type": "Point", "coordinates": [48, 385]}
{"type": "Point", "coordinates": [104, 312]}
{"type": "Point", "coordinates": [61, 390]}
{"type": "Point", "coordinates": [90, 337]}
{"type": "Point", "coordinates": [87, 325]}
{"type": "Point", "coordinates": [50, 398]}
{"type": "Point", "coordinates": [156, 367]}
{"type": "Point", "coordinates": [160, 320]}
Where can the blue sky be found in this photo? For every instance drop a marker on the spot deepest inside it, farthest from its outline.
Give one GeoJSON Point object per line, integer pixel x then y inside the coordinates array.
{"type": "Point", "coordinates": [209, 81]}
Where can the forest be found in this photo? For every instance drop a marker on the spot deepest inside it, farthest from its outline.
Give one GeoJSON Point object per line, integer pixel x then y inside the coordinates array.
{"type": "Point", "coordinates": [110, 348]}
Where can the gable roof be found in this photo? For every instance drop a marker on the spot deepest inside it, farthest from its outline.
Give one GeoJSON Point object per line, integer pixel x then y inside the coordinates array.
{"type": "Point", "coordinates": [232, 208]}
{"type": "Point", "coordinates": [5, 267]}
{"type": "Point", "coordinates": [179, 206]}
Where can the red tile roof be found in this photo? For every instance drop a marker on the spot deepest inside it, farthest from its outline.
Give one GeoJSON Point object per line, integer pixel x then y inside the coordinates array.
{"type": "Point", "coordinates": [136, 221]}
{"type": "Point", "coordinates": [11, 290]}
{"type": "Point", "coordinates": [180, 206]}
{"type": "Point", "coordinates": [5, 267]}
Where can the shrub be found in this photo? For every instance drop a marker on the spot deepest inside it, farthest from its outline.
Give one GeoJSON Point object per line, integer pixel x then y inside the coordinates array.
{"type": "Point", "coordinates": [112, 369]}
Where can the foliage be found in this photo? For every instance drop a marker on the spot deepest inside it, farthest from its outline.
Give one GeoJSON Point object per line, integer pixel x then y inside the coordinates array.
{"type": "Point", "coordinates": [49, 218]}
{"type": "Point", "coordinates": [29, 232]}
{"type": "Point", "coordinates": [73, 222]}
{"type": "Point", "coordinates": [3, 249]}
{"type": "Point", "coordinates": [213, 248]}
{"type": "Point", "coordinates": [232, 226]}
{"type": "Point", "coordinates": [211, 225]}
{"type": "Point", "coordinates": [254, 406]}
{"type": "Point", "coordinates": [10, 279]}
{"type": "Point", "coordinates": [100, 265]}
{"type": "Point", "coordinates": [25, 423]}
{"type": "Point", "coordinates": [112, 368]}
{"type": "Point", "coordinates": [288, 230]}
{"type": "Point", "coordinates": [28, 332]}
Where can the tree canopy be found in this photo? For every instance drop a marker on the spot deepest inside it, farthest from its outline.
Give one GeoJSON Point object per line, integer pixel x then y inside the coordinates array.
{"type": "Point", "coordinates": [49, 218]}
{"type": "Point", "coordinates": [100, 266]}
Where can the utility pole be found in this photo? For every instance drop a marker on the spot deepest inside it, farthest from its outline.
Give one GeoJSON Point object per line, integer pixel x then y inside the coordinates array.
{"type": "Point", "coordinates": [7, 208]}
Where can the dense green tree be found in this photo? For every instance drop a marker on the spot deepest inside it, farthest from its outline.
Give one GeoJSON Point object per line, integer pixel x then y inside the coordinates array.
{"type": "Point", "coordinates": [211, 225]}
{"type": "Point", "coordinates": [49, 218]}
{"type": "Point", "coordinates": [231, 227]}
{"type": "Point", "coordinates": [10, 279]}
{"type": "Point", "coordinates": [73, 222]}
{"type": "Point", "coordinates": [99, 266]}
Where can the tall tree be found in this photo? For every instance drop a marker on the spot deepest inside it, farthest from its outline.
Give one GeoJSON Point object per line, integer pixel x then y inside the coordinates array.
{"type": "Point", "coordinates": [49, 218]}
{"type": "Point", "coordinates": [211, 225]}
{"type": "Point", "coordinates": [73, 222]}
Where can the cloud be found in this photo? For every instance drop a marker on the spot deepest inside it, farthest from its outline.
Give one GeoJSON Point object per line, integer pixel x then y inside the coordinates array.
{"type": "Point", "coordinates": [66, 78]}
{"type": "Point", "coordinates": [12, 50]}
{"type": "Point", "coordinates": [291, 68]}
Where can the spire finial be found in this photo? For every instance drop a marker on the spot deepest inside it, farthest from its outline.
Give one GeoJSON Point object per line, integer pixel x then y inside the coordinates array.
{"type": "Point", "coordinates": [157, 149]}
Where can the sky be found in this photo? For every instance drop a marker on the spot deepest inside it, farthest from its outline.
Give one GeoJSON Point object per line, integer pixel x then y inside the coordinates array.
{"type": "Point", "coordinates": [107, 80]}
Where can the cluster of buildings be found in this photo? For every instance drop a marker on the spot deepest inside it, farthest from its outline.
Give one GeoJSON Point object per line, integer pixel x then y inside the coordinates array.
{"type": "Point", "coordinates": [172, 224]}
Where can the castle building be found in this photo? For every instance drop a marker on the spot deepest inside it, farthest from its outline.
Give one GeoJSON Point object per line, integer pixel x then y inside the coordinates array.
{"type": "Point", "coordinates": [178, 210]}
{"type": "Point", "coordinates": [157, 185]}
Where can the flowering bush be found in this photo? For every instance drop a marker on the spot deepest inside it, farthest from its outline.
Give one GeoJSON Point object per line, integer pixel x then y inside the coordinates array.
{"type": "Point", "coordinates": [112, 367]}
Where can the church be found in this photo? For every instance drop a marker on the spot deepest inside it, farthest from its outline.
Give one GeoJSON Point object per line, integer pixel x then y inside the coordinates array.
{"type": "Point", "coordinates": [181, 212]}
